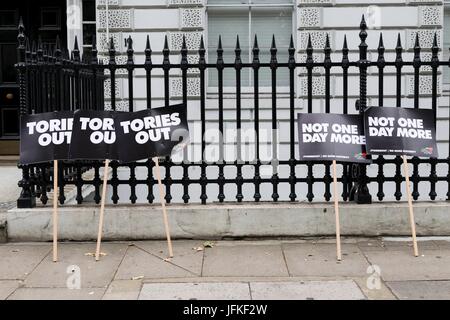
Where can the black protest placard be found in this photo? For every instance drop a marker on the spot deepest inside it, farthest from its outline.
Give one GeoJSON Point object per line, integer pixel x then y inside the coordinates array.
{"type": "Point", "coordinates": [324, 137]}
{"type": "Point", "coordinates": [150, 133]}
{"type": "Point", "coordinates": [401, 131]}
{"type": "Point", "coordinates": [93, 136]}
{"type": "Point", "coordinates": [45, 136]}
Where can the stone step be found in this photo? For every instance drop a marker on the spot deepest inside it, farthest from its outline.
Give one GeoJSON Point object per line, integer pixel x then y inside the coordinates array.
{"type": "Point", "coordinates": [229, 220]}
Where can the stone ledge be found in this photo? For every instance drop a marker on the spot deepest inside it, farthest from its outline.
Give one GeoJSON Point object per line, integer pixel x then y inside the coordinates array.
{"type": "Point", "coordinates": [141, 222]}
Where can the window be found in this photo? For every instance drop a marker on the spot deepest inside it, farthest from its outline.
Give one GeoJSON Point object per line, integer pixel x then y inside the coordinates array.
{"type": "Point", "coordinates": [50, 18]}
{"type": "Point", "coordinates": [446, 71]}
{"type": "Point", "coordinates": [89, 25]}
{"type": "Point", "coordinates": [246, 18]}
{"type": "Point", "coordinates": [9, 19]}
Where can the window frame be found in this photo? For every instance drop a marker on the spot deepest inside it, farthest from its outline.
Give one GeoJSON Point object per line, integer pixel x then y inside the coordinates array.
{"type": "Point", "coordinates": [264, 90]}
{"type": "Point", "coordinates": [87, 22]}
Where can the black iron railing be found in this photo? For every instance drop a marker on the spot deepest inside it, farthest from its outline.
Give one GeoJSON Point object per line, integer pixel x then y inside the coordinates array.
{"type": "Point", "coordinates": [78, 84]}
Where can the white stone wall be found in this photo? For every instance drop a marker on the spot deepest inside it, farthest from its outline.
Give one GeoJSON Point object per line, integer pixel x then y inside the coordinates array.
{"type": "Point", "coordinates": [158, 18]}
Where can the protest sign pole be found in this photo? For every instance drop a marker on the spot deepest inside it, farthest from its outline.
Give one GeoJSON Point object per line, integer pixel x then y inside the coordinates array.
{"type": "Point", "coordinates": [55, 210]}
{"type": "Point", "coordinates": [163, 204]}
{"type": "Point", "coordinates": [410, 205]}
{"type": "Point", "coordinates": [336, 213]}
{"type": "Point", "coordinates": [102, 210]}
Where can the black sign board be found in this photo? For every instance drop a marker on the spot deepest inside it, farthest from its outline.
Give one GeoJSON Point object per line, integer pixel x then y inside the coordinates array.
{"type": "Point", "coordinates": [401, 131]}
{"type": "Point", "coordinates": [150, 133]}
{"type": "Point", "coordinates": [45, 136]}
{"type": "Point", "coordinates": [324, 137]}
{"type": "Point", "coordinates": [93, 137]}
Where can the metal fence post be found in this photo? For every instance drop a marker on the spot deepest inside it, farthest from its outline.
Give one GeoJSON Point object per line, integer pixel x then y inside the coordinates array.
{"type": "Point", "coordinates": [26, 198]}
{"type": "Point", "coordinates": [360, 193]}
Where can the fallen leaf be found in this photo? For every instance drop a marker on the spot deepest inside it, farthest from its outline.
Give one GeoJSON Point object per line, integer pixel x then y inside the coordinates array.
{"type": "Point", "coordinates": [197, 248]}
{"type": "Point", "coordinates": [208, 244]}
{"type": "Point", "coordinates": [92, 254]}
{"type": "Point", "coordinates": [137, 278]}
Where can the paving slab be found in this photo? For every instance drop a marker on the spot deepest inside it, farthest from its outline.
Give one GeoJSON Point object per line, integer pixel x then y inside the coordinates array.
{"type": "Point", "coordinates": [18, 260]}
{"type": "Point", "coordinates": [320, 260]}
{"type": "Point", "coordinates": [139, 263]}
{"type": "Point", "coordinates": [8, 188]}
{"type": "Point", "coordinates": [442, 244]}
{"type": "Point", "coordinates": [408, 245]}
{"type": "Point", "coordinates": [195, 291]}
{"type": "Point", "coordinates": [244, 260]}
{"type": "Point", "coordinates": [123, 290]}
{"type": "Point", "coordinates": [7, 287]}
{"type": "Point", "coordinates": [421, 290]}
{"type": "Point", "coordinates": [57, 294]}
{"type": "Point", "coordinates": [379, 292]}
{"type": "Point", "coordinates": [184, 254]}
{"type": "Point", "coordinates": [401, 265]}
{"type": "Point", "coordinates": [307, 290]}
{"type": "Point", "coordinates": [93, 274]}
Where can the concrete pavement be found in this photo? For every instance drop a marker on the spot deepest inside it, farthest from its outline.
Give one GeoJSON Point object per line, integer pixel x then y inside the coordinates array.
{"type": "Point", "coordinates": [265, 269]}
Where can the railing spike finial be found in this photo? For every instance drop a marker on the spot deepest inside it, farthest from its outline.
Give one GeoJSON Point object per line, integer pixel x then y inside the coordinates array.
{"type": "Point", "coordinates": [435, 42]}
{"type": "Point", "coordinates": [76, 50]}
{"type": "Point", "coordinates": [399, 42]}
{"type": "Point", "coordinates": [220, 53]}
{"type": "Point", "coordinates": [111, 44]}
{"type": "Point", "coordinates": [148, 51]}
{"type": "Point", "coordinates": [363, 24]}
{"type": "Point", "coordinates": [75, 45]}
{"type": "Point", "coordinates": [166, 43]}
{"type": "Point", "coordinates": [381, 42]}
{"type": "Point", "coordinates": [27, 44]}
{"type": "Point", "coordinates": [184, 53]}
{"type": "Point", "coordinates": [183, 43]}
{"type": "Point", "coordinates": [129, 43]}
{"type": "Point", "coordinates": [309, 46]}
{"type": "Point", "coordinates": [273, 46]}
{"type": "Point", "coordinates": [363, 31]}
{"type": "Point", "coordinates": [291, 51]}
{"type": "Point", "coordinates": [327, 42]}
{"type": "Point", "coordinates": [130, 51]}
{"type": "Point", "coordinates": [219, 46]}
{"type": "Point", "coordinates": [58, 43]}
{"type": "Point", "coordinates": [345, 46]}
{"type": "Point", "coordinates": [255, 51]}
{"type": "Point", "coordinates": [21, 35]}
{"type": "Point", "coordinates": [147, 44]}
{"type": "Point", "coordinates": [238, 44]}
{"type": "Point", "coordinates": [417, 42]}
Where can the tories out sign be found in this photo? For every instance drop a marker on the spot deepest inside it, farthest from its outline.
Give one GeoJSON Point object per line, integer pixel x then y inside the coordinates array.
{"type": "Point", "coordinates": [45, 136]}
{"type": "Point", "coordinates": [94, 136]}
{"type": "Point", "coordinates": [149, 133]}
{"type": "Point", "coordinates": [331, 137]}
{"type": "Point", "coordinates": [401, 131]}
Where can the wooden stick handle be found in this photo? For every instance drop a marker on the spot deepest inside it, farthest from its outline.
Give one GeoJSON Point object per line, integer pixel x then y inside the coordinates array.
{"type": "Point", "coordinates": [410, 206]}
{"type": "Point", "coordinates": [336, 213]}
{"type": "Point", "coordinates": [102, 211]}
{"type": "Point", "coordinates": [55, 210]}
{"type": "Point", "coordinates": [163, 204]}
